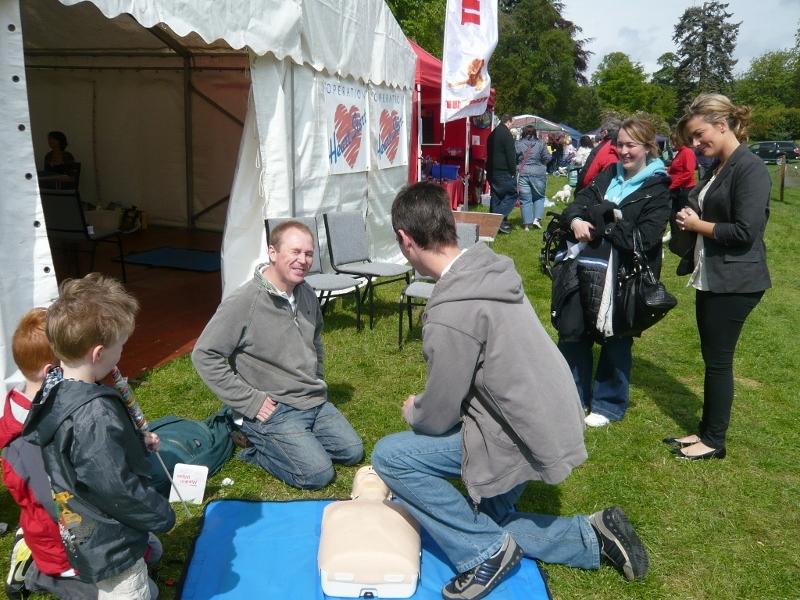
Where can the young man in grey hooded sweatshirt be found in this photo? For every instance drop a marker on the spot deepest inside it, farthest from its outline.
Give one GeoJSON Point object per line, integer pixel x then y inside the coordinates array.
{"type": "Point", "coordinates": [499, 409]}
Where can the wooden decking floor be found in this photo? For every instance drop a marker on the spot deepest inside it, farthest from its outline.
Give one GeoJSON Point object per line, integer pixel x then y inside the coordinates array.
{"type": "Point", "coordinates": [175, 304]}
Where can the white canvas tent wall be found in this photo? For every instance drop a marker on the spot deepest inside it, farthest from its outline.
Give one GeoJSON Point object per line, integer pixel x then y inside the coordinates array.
{"type": "Point", "coordinates": [285, 46]}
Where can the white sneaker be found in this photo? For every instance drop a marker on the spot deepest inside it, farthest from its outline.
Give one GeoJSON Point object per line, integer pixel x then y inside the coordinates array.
{"type": "Point", "coordinates": [537, 224]}
{"type": "Point", "coordinates": [595, 420]}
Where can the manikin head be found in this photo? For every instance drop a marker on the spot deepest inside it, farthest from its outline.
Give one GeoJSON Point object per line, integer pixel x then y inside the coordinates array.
{"type": "Point", "coordinates": [367, 485]}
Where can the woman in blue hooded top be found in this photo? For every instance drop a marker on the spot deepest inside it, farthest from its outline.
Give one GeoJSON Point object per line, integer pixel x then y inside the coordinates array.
{"type": "Point", "coordinates": [630, 195]}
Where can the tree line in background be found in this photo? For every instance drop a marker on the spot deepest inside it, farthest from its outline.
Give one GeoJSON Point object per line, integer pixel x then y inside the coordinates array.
{"type": "Point", "coordinates": [541, 59]}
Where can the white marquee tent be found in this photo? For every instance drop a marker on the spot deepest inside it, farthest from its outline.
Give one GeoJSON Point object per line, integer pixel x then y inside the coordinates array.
{"type": "Point", "coordinates": [201, 112]}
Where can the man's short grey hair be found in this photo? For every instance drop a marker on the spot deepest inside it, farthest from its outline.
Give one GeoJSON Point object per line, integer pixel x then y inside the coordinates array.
{"type": "Point", "coordinates": [611, 125]}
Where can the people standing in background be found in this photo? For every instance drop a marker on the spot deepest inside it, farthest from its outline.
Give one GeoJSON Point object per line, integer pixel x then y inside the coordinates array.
{"type": "Point", "coordinates": [532, 157]}
{"type": "Point", "coordinates": [568, 151]}
{"type": "Point", "coordinates": [603, 154]}
{"type": "Point", "coordinates": [557, 152]}
{"type": "Point", "coordinates": [682, 172]}
{"type": "Point", "coordinates": [704, 163]}
{"type": "Point", "coordinates": [501, 170]}
{"type": "Point", "coordinates": [585, 146]}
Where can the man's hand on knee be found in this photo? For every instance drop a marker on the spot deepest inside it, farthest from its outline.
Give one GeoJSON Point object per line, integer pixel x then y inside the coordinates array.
{"type": "Point", "coordinates": [408, 407]}
{"type": "Point", "coordinates": [266, 410]}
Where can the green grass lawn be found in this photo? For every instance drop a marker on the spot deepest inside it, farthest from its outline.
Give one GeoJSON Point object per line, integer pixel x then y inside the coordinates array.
{"type": "Point", "coordinates": [714, 529]}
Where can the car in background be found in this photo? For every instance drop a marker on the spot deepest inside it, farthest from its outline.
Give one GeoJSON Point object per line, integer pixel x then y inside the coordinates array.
{"type": "Point", "coordinates": [769, 151]}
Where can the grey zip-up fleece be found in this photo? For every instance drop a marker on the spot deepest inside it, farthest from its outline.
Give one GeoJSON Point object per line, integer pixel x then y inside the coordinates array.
{"type": "Point", "coordinates": [255, 346]}
{"type": "Point", "coordinates": [485, 350]}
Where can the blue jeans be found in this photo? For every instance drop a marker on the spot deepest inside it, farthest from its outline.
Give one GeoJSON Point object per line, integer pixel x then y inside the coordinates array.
{"type": "Point", "coordinates": [504, 193]}
{"type": "Point", "coordinates": [299, 446]}
{"type": "Point", "coordinates": [416, 468]}
{"type": "Point", "coordinates": [531, 197]}
{"type": "Point", "coordinates": [608, 394]}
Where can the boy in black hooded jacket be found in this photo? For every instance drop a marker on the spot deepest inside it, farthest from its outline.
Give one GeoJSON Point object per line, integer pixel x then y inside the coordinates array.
{"type": "Point", "coordinates": [92, 451]}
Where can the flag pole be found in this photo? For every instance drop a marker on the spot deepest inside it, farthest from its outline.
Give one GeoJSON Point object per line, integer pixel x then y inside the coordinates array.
{"type": "Point", "coordinates": [419, 131]}
{"type": "Point", "coordinates": [465, 204]}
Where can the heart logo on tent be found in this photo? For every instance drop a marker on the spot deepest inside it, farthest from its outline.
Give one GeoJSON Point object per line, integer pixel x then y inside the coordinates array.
{"type": "Point", "coordinates": [347, 126]}
{"type": "Point", "coordinates": [389, 135]}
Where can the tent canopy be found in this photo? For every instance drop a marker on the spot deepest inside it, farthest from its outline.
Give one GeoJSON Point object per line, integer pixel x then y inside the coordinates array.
{"type": "Point", "coordinates": [540, 123]}
{"type": "Point", "coordinates": [345, 38]}
{"type": "Point", "coordinates": [445, 142]}
{"type": "Point", "coordinates": [574, 133]}
{"type": "Point", "coordinates": [174, 105]}
{"type": "Point", "coordinates": [429, 69]}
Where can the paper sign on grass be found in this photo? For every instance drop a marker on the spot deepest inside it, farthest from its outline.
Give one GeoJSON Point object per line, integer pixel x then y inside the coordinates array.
{"type": "Point", "coordinates": [347, 127]}
{"type": "Point", "coordinates": [190, 481]}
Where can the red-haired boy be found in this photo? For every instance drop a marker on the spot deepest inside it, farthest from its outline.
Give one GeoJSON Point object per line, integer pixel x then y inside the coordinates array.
{"type": "Point", "coordinates": [24, 475]}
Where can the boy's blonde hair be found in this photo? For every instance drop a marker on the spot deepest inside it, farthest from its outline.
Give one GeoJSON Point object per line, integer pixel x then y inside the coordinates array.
{"type": "Point", "coordinates": [29, 346]}
{"type": "Point", "coordinates": [95, 310]}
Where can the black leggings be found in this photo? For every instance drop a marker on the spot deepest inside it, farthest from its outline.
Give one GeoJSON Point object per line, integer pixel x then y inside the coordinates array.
{"type": "Point", "coordinates": [720, 318]}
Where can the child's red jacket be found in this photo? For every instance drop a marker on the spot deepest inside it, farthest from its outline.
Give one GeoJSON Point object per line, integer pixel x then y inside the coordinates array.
{"type": "Point", "coordinates": [27, 481]}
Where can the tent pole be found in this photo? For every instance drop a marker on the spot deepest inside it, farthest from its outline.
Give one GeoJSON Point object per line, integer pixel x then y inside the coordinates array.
{"type": "Point", "coordinates": [188, 139]}
{"type": "Point", "coordinates": [292, 147]}
{"type": "Point", "coordinates": [465, 205]}
{"type": "Point", "coordinates": [419, 131]}
{"type": "Point", "coordinates": [219, 108]}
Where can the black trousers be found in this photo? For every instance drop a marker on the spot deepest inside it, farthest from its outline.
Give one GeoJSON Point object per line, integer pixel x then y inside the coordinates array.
{"type": "Point", "coordinates": [720, 318]}
{"type": "Point", "coordinates": [504, 193]}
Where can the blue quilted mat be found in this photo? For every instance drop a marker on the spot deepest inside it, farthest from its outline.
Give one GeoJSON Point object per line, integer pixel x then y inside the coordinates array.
{"type": "Point", "coordinates": [186, 259]}
{"type": "Point", "coordinates": [269, 550]}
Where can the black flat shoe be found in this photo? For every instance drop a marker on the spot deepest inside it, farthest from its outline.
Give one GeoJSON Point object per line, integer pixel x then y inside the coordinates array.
{"type": "Point", "coordinates": [673, 441]}
{"type": "Point", "coordinates": [714, 453]}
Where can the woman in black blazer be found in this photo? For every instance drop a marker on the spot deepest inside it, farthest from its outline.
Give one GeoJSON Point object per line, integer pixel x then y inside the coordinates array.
{"type": "Point", "coordinates": [727, 212]}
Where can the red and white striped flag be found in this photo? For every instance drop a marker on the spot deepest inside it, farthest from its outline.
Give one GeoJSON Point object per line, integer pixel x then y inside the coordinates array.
{"type": "Point", "coordinates": [470, 37]}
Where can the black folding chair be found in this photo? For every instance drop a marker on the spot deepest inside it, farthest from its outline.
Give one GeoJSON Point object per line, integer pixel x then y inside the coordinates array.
{"type": "Point", "coordinates": [349, 250]}
{"type": "Point", "coordinates": [66, 226]}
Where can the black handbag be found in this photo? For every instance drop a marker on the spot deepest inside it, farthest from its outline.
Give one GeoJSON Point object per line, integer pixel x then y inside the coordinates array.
{"type": "Point", "coordinates": [681, 242]}
{"type": "Point", "coordinates": [641, 300]}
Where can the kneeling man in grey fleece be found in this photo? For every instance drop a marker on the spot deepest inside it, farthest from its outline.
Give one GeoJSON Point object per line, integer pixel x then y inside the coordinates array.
{"type": "Point", "coordinates": [261, 354]}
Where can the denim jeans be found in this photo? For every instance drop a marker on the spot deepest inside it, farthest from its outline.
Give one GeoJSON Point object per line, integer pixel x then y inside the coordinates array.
{"type": "Point", "coordinates": [608, 394]}
{"type": "Point", "coordinates": [416, 468]}
{"type": "Point", "coordinates": [299, 446]}
{"type": "Point", "coordinates": [504, 193]}
{"type": "Point", "coordinates": [531, 197]}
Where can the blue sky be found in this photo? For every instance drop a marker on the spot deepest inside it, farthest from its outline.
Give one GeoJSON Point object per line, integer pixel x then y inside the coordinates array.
{"type": "Point", "coordinates": [643, 29]}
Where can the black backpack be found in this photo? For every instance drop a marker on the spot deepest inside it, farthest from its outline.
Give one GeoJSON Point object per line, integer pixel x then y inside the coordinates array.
{"type": "Point", "coordinates": [190, 442]}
